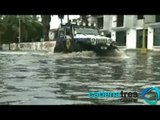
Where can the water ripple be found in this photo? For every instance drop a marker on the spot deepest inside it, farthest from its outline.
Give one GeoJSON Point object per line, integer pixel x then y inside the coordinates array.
{"type": "Point", "coordinates": [40, 78]}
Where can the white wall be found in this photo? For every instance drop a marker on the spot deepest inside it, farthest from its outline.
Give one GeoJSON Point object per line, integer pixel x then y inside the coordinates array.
{"type": "Point", "coordinates": [114, 21]}
{"type": "Point", "coordinates": [140, 23]}
{"type": "Point", "coordinates": [44, 46]}
{"type": "Point", "coordinates": [113, 35]}
{"type": "Point", "coordinates": [150, 38]}
{"type": "Point", "coordinates": [107, 22]}
{"type": "Point", "coordinates": [130, 21]}
{"type": "Point", "coordinates": [127, 21]}
{"type": "Point", "coordinates": [114, 24]}
{"type": "Point", "coordinates": [149, 18]}
{"type": "Point", "coordinates": [131, 39]}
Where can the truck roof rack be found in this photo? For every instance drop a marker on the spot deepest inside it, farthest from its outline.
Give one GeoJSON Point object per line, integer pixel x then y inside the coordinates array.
{"type": "Point", "coordinates": [89, 25]}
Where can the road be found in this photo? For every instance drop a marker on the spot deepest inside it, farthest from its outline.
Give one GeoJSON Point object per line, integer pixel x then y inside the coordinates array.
{"type": "Point", "coordinates": [29, 78]}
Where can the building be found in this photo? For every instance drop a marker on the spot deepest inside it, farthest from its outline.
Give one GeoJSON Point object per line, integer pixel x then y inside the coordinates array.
{"type": "Point", "coordinates": [52, 34]}
{"type": "Point", "coordinates": [127, 30]}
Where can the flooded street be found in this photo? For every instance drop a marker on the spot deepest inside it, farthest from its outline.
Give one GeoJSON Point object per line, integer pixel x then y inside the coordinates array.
{"type": "Point", "coordinates": [35, 78]}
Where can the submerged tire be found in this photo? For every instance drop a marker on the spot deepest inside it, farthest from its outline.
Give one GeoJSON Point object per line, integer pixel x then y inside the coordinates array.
{"type": "Point", "coordinates": [69, 45]}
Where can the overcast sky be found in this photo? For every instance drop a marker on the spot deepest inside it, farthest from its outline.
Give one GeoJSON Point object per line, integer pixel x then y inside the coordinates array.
{"type": "Point", "coordinates": [55, 21]}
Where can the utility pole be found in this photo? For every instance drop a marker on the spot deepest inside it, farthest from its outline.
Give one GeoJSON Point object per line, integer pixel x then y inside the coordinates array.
{"type": "Point", "coordinates": [19, 40]}
{"type": "Point", "coordinates": [144, 49]}
{"type": "Point", "coordinates": [0, 41]}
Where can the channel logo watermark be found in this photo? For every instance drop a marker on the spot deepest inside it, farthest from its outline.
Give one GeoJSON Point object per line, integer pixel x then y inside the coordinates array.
{"type": "Point", "coordinates": [153, 90]}
{"type": "Point", "coordinates": [122, 95]}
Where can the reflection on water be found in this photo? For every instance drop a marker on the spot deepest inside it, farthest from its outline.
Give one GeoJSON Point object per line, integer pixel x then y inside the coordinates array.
{"type": "Point", "coordinates": [41, 78]}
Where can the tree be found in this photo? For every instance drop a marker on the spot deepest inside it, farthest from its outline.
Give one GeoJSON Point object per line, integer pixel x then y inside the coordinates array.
{"type": "Point", "coordinates": [84, 18]}
{"type": "Point", "coordinates": [11, 28]}
{"type": "Point", "coordinates": [2, 28]}
{"type": "Point", "coordinates": [61, 18]}
{"type": "Point", "coordinates": [46, 25]}
{"type": "Point", "coordinates": [31, 28]}
{"type": "Point", "coordinates": [68, 18]}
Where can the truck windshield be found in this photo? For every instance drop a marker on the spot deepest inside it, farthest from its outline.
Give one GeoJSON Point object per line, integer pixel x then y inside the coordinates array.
{"type": "Point", "coordinates": [88, 31]}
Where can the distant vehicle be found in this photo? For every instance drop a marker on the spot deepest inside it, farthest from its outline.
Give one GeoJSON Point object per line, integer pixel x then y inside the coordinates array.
{"type": "Point", "coordinates": [74, 37]}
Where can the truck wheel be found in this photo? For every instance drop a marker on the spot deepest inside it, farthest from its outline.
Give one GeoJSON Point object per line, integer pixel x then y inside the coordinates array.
{"type": "Point", "coordinates": [68, 44]}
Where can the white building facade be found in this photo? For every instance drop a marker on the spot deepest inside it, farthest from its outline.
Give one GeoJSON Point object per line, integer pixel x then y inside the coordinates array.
{"type": "Point", "coordinates": [127, 30]}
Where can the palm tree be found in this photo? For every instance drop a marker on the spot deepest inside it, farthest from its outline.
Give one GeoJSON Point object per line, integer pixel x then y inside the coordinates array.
{"type": "Point", "coordinates": [84, 18]}
{"type": "Point", "coordinates": [61, 17]}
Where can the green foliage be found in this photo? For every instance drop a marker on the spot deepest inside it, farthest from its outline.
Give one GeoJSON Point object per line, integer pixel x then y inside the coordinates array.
{"type": "Point", "coordinates": [84, 18]}
{"type": "Point", "coordinates": [31, 28]}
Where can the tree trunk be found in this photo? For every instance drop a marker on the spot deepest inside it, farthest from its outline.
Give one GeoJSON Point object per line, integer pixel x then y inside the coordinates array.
{"type": "Point", "coordinates": [61, 21]}
{"type": "Point", "coordinates": [11, 36]}
{"type": "Point", "coordinates": [0, 43]}
{"type": "Point", "coordinates": [9, 45]}
{"type": "Point", "coordinates": [68, 18]}
{"type": "Point", "coordinates": [26, 36]}
{"type": "Point", "coordinates": [61, 17]}
{"type": "Point", "coordinates": [46, 32]}
{"type": "Point", "coordinates": [46, 26]}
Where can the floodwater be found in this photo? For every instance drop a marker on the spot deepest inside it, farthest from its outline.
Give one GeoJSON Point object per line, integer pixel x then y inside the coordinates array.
{"type": "Point", "coordinates": [39, 78]}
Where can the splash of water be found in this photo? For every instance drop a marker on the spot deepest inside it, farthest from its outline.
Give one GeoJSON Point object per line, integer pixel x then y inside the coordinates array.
{"type": "Point", "coordinates": [90, 54]}
{"type": "Point", "coordinates": [116, 54]}
{"type": "Point", "coordinates": [122, 54]}
{"type": "Point", "coordinates": [83, 54]}
{"type": "Point", "coordinates": [14, 52]}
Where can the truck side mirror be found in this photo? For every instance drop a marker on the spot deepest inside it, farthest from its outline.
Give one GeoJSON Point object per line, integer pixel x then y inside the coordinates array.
{"type": "Point", "coordinates": [102, 33]}
{"type": "Point", "coordinates": [75, 33]}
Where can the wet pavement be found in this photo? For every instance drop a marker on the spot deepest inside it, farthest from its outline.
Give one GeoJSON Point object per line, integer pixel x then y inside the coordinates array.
{"type": "Point", "coordinates": [35, 78]}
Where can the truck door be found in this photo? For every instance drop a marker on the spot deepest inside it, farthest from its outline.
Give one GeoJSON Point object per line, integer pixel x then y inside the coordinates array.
{"type": "Point", "coordinates": [61, 35]}
{"type": "Point", "coordinates": [69, 32]}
